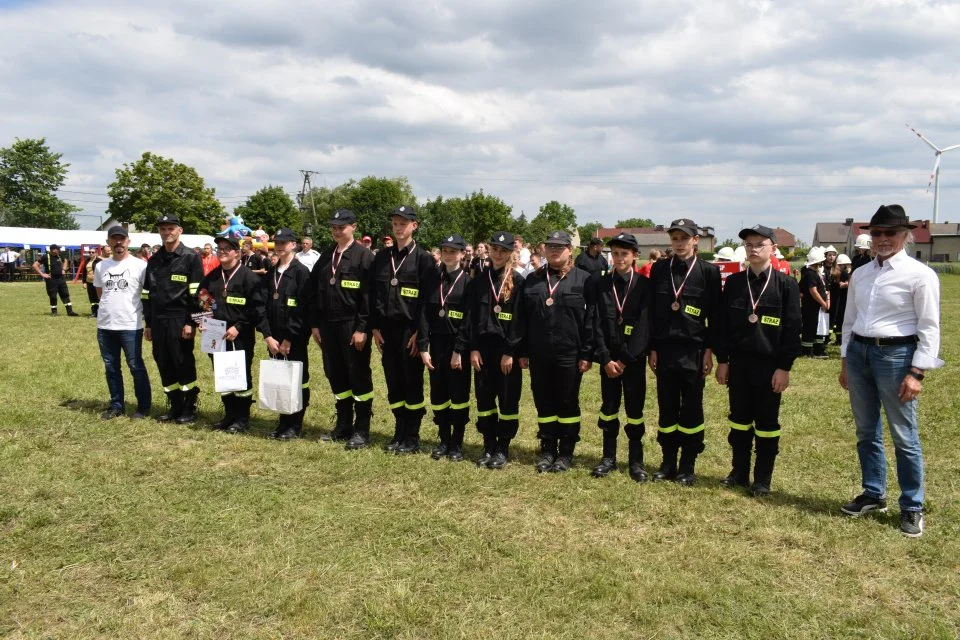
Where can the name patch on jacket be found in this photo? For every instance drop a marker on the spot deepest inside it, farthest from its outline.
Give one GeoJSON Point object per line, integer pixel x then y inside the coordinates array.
{"type": "Point", "coordinates": [453, 314]}
{"type": "Point", "coordinates": [628, 329]}
{"type": "Point", "coordinates": [236, 300]}
{"type": "Point", "coordinates": [770, 320]}
{"type": "Point", "coordinates": [503, 315]}
{"type": "Point", "coordinates": [691, 310]}
{"type": "Point", "coordinates": [291, 302]}
{"type": "Point", "coordinates": [350, 284]}
{"type": "Point", "coordinates": [176, 277]}
{"type": "Point", "coordinates": [409, 292]}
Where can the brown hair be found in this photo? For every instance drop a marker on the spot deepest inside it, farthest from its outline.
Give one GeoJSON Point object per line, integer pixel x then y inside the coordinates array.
{"type": "Point", "coordinates": [508, 276]}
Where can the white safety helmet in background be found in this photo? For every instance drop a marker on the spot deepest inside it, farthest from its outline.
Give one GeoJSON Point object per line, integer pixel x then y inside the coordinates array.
{"type": "Point", "coordinates": [863, 241]}
{"type": "Point", "coordinates": [830, 249]}
{"type": "Point", "coordinates": [740, 254]}
{"type": "Point", "coordinates": [778, 255]}
{"type": "Point", "coordinates": [725, 254]}
{"type": "Point", "coordinates": [843, 259]}
{"type": "Point", "coordinates": [815, 256]}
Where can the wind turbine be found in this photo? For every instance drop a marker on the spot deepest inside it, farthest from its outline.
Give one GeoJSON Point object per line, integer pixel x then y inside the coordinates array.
{"type": "Point", "coordinates": [935, 174]}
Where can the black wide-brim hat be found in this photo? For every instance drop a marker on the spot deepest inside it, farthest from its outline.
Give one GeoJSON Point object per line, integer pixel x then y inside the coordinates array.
{"type": "Point", "coordinates": [889, 215]}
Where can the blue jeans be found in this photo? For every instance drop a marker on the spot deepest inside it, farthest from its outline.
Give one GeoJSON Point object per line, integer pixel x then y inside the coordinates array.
{"type": "Point", "coordinates": [874, 375]}
{"type": "Point", "coordinates": [131, 342]}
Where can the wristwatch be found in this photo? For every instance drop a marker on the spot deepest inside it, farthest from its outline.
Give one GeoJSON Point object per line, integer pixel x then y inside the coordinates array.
{"type": "Point", "coordinates": [916, 374]}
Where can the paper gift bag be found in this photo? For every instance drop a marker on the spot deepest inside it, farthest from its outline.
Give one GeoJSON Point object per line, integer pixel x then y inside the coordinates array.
{"type": "Point", "coordinates": [281, 386]}
{"type": "Point", "coordinates": [229, 371]}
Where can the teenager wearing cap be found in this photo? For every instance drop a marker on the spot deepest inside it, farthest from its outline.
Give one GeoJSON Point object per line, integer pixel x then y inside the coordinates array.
{"type": "Point", "coordinates": [339, 317]}
{"type": "Point", "coordinates": [839, 281]}
{"type": "Point", "coordinates": [891, 337]}
{"type": "Point", "coordinates": [118, 281]}
{"type": "Point", "coordinates": [286, 324]}
{"type": "Point", "coordinates": [495, 314]}
{"type": "Point", "coordinates": [55, 278]}
{"type": "Point", "coordinates": [558, 339]}
{"type": "Point", "coordinates": [235, 295]}
{"type": "Point", "coordinates": [755, 351]}
{"type": "Point", "coordinates": [251, 260]}
{"type": "Point", "coordinates": [623, 299]}
{"type": "Point", "coordinates": [592, 260]}
{"type": "Point", "coordinates": [398, 277]}
{"type": "Point", "coordinates": [173, 277]}
{"type": "Point", "coordinates": [443, 338]}
{"type": "Point", "coordinates": [814, 306]}
{"type": "Point", "coordinates": [685, 313]}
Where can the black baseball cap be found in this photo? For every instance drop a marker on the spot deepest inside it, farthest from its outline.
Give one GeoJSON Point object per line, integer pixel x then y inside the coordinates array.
{"type": "Point", "coordinates": [454, 242]}
{"type": "Point", "coordinates": [117, 230]}
{"type": "Point", "coordinates": [559, 237]}
{"type": "Point", "coordinates": [285, 235]}
{"type": "Point", "coordinates": [343, 217]}
{"type": "Point", "coordinates": [234, 242]}
{"type": "Point", "coordinates": [502, 239]}
{"type": "Point", "coordinates": [169, 218]}
{"type": "Point", "coordinates": [759, 230]}
{"type": "Point", "coordinates": [596, 241]}
{"type": "Point", "coordinates": [686, 225]}
{"type": "Point", "coordinates": [627, 240]}
{"type": "Point", "coordinates": [405, 211]}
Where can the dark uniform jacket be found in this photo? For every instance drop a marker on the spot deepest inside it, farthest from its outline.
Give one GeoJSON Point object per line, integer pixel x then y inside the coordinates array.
{"type": "Point", "coordinates": [254, 262]}
{"type": "Point", "coordinates": [776, 334]}
{"type": "Point", "coordinates": [286, 316]}
{"type": "Point", "coordinates": [810, 279]}
{"type": "Point", "coordinates": [595, 266]}
{"type": "Point", "coordinates": [400, 303]}
{"type": "Point", "coordinates": [53, 265]}
{"type": "Point", "coordinates": [170, 284]}
{"type": "Point", "coordinates": [241, 305]}
{"type": "Point", "coordinates": [696, 323]}
{"type": "Point", "coordinates": [456, 319]}
{"type": "Point", "coordinates": [487, 325]}
{"type": "Point", "coordinates": [349, 299]}
{"type": "Point", "coordinates": [626, 341]}
{"type": "Point", "coordinates": [566, 329]}
{"type": "Point", "coordinates": [859, 260]}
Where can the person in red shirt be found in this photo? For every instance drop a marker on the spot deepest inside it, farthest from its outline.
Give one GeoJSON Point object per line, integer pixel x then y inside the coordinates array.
{"type": "Point", "coordinates": [653, 257]}
{"type": "Point", "coordinates": [209, 259]}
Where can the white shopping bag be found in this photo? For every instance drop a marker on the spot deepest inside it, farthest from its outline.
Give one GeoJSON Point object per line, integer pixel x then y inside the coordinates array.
{"type": "Point", "coordinates": [823, 323]}
{"type": "Point", "coordinates": [229, 371]}
{"type": "Point", "coordinates": [281, 386]}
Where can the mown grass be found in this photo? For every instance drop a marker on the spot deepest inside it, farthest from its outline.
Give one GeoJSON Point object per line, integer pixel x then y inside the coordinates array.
{"type": "Point", "coordinates": [136, 529]}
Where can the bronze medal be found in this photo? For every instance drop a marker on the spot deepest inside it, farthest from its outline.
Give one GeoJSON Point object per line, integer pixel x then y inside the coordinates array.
{"type": "Point", "coordinates": [675, 306]}
{"type": "Point", "coordinates": [620, 320]}
{"type": "Point", "coordinates": [276, 295]}
{"type": "Point", "coordinates": [549, 302]}
{"type": "Point", "coordinates": [333, 282]}
{"type": "Point", "coordinates": [497, 308]}
{"type": "Point", "coordinates": [442, 313]}
{"type": "Point", "coordinates": [394, 282]}
{"type": "Point", "coordinates": [752, 318]}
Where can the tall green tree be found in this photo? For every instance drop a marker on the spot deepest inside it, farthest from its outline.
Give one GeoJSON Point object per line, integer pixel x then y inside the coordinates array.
{"type": "Point", "coordinates": [629, 223]}
{"type": "Point", "coordinates": [270, 208]}
{"type": "Point", "coordinates": [30, 176]}
{"type": "Point", "coordinates": [370, 198]}
{"type": "Point", "coordinates": [586, 231]}
{"type": "Point", "coordinates": [475, 217]}
{"type": "Point", "coordinates": [552, 216]}
{"type": "Point", "coordinates": [154, 186]}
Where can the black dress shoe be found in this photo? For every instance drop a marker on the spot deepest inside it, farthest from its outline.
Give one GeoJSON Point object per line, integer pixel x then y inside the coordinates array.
{"type": "Point", "coordinates": [760, 490]}
{"type": "Point", "coordinates": [276, 433]}
{"type": "Point", "coordinates": [665, 472]}
{"type": "Point", "coordinates": [407, 447]}
{"type": "Point", "coordinates": [545, 462]}
{"type": "Point", "coordinates": [439, 451]}
{"type": "Point", "coordinates": [72, 313]}
{"type": "Point", "coordinates": [189, 416]}
{"type": "Point", "coordinates": [686, 479]}
{"type": "Point", "coordinates": [561, 464]}
{"type": "Point", "coordinates": [603, 469]}
{"type": "Point", "coordinates": [734, 480]}
{"type": "Point", "coordinates": [335, 436]}
{"type": "Point", "coordinates": [140, 415]}
{"type": "Point", "coordinates": [239, 426]}
{"type": "Point", "coordinates": [290, 433]}
{"type": "Point", "coordinates": [484, 459]}
{"type": "Point", "coordinates": [356, 441]}
{"type": "Point", "coordinates": [497, 461]}
{"type": "Point", "coordinates": [111, 413]}
{"type": "Point", "coordinates": [391, 446]}
{"type": "Point", "coordinates": [169, 416]}
{"type": "Point", "coordinates": [455, 455]}
{"type": "Point", "coordinates": [223, 422]}
{"type": "Point", "coordinates": [638, 473]}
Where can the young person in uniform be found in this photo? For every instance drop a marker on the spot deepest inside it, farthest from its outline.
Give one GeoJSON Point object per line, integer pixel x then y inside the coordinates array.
{"type": "Point", "coordinates": [251, 260]}
{"type": "Point", "coordinates": [685, 312]}
{"type": "Point", "coordinates": [839, 282]}
{"type": "Point", "coordinates": [234, 294]}
{"type": "Point", "coordinates": [54, 274]}
{"type": "Point", "coordinates": [286, 324]}
{"type": "Point", "coordinates": [88, 273]}
{"type": "Point", "coordinates": [442, 340]}
{"type": "Point", "coordinates": [398, 276]}
{"type": "Point", "coordinates": [755, 352]}
{"type": "Point", "coordinates": [623, 300]}
{"type": "Point", "coordinates": [173, 277]}
{"type": "Point", "coordinates": [558, 338]}
{"type": "Point", "coordinates": [339, 316]}
{"type": "Point", "coordinates": [495, 312]}
{"type": "Point", "coordinates": [813, 303]}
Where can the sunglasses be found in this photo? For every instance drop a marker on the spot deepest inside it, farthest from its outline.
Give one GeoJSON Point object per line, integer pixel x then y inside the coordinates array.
{"type": "Point", "coordinates": [876, 233]}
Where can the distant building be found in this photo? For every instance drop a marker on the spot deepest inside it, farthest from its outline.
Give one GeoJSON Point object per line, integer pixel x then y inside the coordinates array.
{"type": "Point", "coordinates": [931, 242]}
{"type": "Point", "coordinates": [656, 237]}
{"type": "Point", "coordinates": [786, 241]}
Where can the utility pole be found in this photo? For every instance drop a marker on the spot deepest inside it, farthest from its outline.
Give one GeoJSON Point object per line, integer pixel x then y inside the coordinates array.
{"type": "Point", "coordinates": [305, 189]}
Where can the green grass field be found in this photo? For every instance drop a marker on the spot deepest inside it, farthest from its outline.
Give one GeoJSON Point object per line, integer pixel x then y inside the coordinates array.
{"type": "Point", "coordinates": [128, 529]}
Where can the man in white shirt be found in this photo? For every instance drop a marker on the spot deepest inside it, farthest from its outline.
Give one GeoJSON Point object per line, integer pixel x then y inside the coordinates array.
{"type": "Point", "coordinates": [9, 259]}
{"type": "Point", "coordinates": [891, 336]}
{"type": "Point", "coordinates": [308, 256]}
{"type": "Point", "coordinates": [119, 281]}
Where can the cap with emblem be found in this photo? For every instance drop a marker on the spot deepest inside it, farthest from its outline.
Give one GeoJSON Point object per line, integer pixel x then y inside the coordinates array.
{"type": "Point", "coordinates": [285, 235]}
{"type": "Point", "coordinates": [627, 240]}
{"type": "Point", "coordinates": [558, 238]}
{"type": "Point", "coordinates": [686, 225]}
{"type": "Point", "coordinates": [503, 239]}
{"type": "Point", "coordinates": [405, 211]}
{"type": "Point", "coordinates": [117, 230]}
{"type": "Point", "coordinates": [759, 230]}
{"type": "Point", "coordinates": [233, 242]}
{"type": "Point", "coordinates": [343, 217]}
{"type": "Point", "coordinates": [453, 242]}
{"type": "Point", "coordinates": [168, 218]}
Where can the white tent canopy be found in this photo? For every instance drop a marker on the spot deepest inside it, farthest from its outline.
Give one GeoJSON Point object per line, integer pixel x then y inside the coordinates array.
{"type": "Point", "coordinates": [34, 238]}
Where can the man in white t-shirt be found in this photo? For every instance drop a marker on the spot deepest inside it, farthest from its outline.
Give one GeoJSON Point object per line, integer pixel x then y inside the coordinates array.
{"type": "Point", "coordinates": [119, 282]}
{"type": "Point", "coordinates": [309, 256]}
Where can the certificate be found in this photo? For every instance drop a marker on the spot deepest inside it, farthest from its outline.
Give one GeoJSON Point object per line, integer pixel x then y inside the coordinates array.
{"type": "Point", "coordinates": [211, 338]}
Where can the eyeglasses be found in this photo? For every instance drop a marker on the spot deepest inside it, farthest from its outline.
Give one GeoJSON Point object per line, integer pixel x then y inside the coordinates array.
{"type": "Point", "coordinates": [876, 233]}
{"type": "Point", "coordinates": [759, 247]}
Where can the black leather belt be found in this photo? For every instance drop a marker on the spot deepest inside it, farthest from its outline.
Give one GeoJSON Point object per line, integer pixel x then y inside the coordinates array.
{"type": "Point", "coordinates": [880, 342]}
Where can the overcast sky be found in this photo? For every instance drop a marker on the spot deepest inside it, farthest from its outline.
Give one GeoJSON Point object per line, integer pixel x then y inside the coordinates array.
{"type": "Point", "coordinates": [783, 113]}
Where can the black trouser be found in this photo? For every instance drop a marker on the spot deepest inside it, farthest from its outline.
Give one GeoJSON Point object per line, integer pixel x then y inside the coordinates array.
{"type": "Point", "coordinates": [449, 388]}
{"type": "Point", "coordinates": [555, 383]}
{"type": "Point", "coordinates": [9, 271]}
{"type": "Point", "coordinates": [93, 298]}
{"type": "Point", "coordinates": [237, 403]}
{"type": "Point", "coordinates": [348, 372]}
{"type": "Point", "coordinates": [754, 412]}
{"type": "Point", "coordinates": [57, 286]}
{"type": "Point", "coordinates": [174, 358]}
{"type": "Point", "coordinates": [299, 353]}
{"type": "Point", "coordinates": [631, 385]}
{"type": "Point", "coordinates": [403, 372]}
{"type": "Point", "coordinates": [680, 399]}
{"type": "Point", "coordinates": [810, 319]}
{"type": "Point", "coordinates": [498, 395]}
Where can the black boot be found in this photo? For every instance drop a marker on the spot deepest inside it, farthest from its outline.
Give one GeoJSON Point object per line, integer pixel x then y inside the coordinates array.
{"type": "Point", "coordinates": [548, 454]}
{"type": "Point", "coordinates": [806, 351]}
{"type": "Point", "coordinates": [767, 449]}
{"type": "Point", "coordinates": [443, 437]}
{"type": "Point", "coordinates": [189, 413]}
{"type": "Point", "coordinates": [398, 428]}
{"type": "Point", "coordinates": [411, 434]}
{"type": "Point", "coordinates": [740, 443]}
{"type": "Point", "coordinates": [176, 406]}
{"type": "Point", "coordinates": [668, 468]}
{"type": "Point", "coordinates": [489, 445]}
{"type": "Point", "coordinates": [820, 350]}
{"type": "Point", "coordinates": [361, 425]}
{"type": "Point", "coordinates": [70, 311]}
{"type": "Point", "coordinates": [229, 412]}
{"type": "Point", "coordinates": [242, 421]}
{"type": "Point", "coordinates": [637, 472]}
{"type": "Point", "coordinates": [564, 461]}
{"type": "Point", "coordinates": [455, 454]}
{"type": "Point", "coordinates": [500, 454]}
{"type": "Point", "coordinates": [686, 468]}
{"type": "Point", "coordinates": [608, 461]}
{"type": "Point", "coordinates": [341, 431]}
